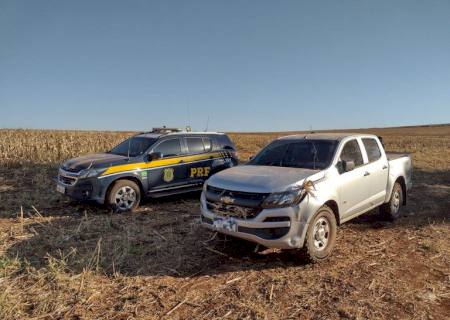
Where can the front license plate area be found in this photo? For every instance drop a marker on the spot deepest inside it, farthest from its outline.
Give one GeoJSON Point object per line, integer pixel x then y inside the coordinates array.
{"type": "Point", "coordinates": [61, 189]}
{"type": "Point", "coordinates": [228, 224]}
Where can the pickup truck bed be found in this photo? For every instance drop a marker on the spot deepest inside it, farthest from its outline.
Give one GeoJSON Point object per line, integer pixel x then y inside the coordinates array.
{"type": "Point", "coordinates": [395, 155]}
{"type": "Point", "coordinates": [399, 166]}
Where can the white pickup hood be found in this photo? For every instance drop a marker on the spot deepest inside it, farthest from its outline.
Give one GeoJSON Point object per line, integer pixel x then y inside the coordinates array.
{"type": "Point", "coordinates": [259, 179]}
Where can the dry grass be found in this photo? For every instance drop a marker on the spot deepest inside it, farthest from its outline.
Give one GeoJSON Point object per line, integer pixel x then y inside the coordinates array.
{"type": "Point", "coordinates": [53, 146]}
{"type": "Point", "coordinates": [69, 260]}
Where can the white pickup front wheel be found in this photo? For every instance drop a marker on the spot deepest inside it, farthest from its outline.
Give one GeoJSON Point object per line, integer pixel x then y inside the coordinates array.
{"type": "Point", "coordinates": [321, 235]}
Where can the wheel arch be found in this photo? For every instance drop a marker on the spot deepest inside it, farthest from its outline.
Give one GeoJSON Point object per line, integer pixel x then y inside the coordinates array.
{"type": "Point", "coordinates": [131, 178]}
{"type": "Point", "coordinates": [402, 182]}
{"type": "Point", "coordinates": [335, 208]}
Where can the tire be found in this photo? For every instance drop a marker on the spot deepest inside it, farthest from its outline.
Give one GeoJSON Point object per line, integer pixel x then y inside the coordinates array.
{"type": "Point", "coordinates": [391, 209]}
{"type": "Point", "coordinates": [321, 235]}
{"type": "Point", "coordinates": [124, 195]}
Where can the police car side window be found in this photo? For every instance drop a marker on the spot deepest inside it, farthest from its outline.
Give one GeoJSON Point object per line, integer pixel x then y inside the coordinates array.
{"type": "Point", "coordinates": [222, 142]}
{"type": "Point", "coordinates": [208, 144]}
{"type": "Point", "coordinates": [169, 148]}
{"type": "Point", "coordinates": [195, 144]}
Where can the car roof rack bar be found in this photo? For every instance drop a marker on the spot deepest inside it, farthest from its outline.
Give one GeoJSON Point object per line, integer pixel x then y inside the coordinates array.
{"type": "Point", "coordinates": [164, 129]}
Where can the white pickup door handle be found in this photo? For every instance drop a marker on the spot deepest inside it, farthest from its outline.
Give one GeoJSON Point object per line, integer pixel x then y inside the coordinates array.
{"type": "Point", "coordinates": [384, 167]}
{"type": "Point", "coordinates": [366, 174]}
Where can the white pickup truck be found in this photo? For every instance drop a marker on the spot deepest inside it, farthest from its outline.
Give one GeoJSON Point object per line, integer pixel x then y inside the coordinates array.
{"type": "Point", "coordinates": [298, 189]}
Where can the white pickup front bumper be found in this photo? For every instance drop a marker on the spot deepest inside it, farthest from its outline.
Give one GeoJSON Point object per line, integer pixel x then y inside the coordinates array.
{"type": "Point", "coordinates": [272, 234]}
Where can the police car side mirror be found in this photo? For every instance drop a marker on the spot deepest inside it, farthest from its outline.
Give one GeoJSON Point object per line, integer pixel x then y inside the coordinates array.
{"type": "Point", "coordinates": [154, 156]}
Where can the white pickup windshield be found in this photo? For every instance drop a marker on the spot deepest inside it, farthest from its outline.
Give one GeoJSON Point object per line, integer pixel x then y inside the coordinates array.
{"type": "Point", "coordinates": [308, 154]}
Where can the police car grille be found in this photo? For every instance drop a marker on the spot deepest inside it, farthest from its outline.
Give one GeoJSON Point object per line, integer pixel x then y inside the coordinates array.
{"type": "Point", "coordinates": [227, 210]}
{"type": "Point", "coordinates": [67, 180]}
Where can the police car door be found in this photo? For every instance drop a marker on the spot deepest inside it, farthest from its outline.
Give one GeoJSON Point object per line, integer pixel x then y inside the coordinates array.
{"type": "Point", "coordinates": [199, 151]}
{"type": "Point", "coordinates": [170, 170]}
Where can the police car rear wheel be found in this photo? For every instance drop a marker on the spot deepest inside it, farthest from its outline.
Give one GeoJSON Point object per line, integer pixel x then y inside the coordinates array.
{"type": "Point", "coordinates": [124, 196]}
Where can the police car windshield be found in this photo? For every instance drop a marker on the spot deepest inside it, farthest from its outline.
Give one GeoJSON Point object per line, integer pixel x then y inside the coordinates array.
{"type": "Point", "coordinates": [308, 154]}
{"type": "Point", "coordinates": [134, 146]}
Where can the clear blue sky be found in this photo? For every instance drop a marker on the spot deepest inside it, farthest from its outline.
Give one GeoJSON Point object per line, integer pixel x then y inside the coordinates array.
{"type": "Point", "coordinates": [248, 65]}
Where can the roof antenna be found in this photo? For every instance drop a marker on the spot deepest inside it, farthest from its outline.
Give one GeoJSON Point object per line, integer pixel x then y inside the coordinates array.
{"type": "Point", "coordinates": [207, 124]}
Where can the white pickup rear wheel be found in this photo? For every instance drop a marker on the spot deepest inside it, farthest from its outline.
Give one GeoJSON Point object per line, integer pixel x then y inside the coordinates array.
{"type": "Point", "coordinates": [391, 209]}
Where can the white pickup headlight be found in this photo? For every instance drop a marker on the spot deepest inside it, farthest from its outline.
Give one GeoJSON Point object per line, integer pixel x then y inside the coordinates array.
{"type": "Point", "coordinates": [282, 199]}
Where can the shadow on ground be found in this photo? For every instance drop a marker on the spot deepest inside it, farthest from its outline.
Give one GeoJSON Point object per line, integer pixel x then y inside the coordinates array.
{"type": "Point", "coordinates": [428, 201]}
{"type": "Point", "coordinates": [165, 238]}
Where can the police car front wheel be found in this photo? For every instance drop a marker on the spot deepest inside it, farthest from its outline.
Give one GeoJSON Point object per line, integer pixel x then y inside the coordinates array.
{"type": "Point", "coordinates": [124, 195]}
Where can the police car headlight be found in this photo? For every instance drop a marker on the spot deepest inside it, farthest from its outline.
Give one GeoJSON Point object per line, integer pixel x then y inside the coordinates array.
{"type": "Point", "coordinates": [282, 199]}
{"type": "Point", "coordinates": [89, 173]}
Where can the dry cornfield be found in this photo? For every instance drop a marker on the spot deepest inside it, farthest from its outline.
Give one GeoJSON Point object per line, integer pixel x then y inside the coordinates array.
{"type": "Point", "coordinates": [60, 259]}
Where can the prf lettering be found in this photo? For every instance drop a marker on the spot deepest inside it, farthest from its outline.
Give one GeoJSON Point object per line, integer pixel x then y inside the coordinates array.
{"type": "Point", "coordinates": [200, 172]}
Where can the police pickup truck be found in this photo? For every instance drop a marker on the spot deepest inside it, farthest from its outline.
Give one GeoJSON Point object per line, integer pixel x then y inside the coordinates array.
{"type": "Point", "coordinates": [157, 163]}
{"type": "Point", "coordinates": [298, 189]}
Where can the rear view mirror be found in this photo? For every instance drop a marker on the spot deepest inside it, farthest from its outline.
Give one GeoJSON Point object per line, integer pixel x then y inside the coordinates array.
{"type": "Point", "coordinates": [348, 165]}
{"type": "Point", "coordinates": [154, 156]}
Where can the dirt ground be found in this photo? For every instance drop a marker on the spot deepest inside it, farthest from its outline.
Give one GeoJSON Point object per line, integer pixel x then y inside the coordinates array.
{"type": "Point", "coordinates": [60, 259]}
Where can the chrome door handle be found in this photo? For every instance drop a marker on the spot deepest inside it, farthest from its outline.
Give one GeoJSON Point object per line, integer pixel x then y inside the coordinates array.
{"type": "Point", "coordinates": [366, 174]}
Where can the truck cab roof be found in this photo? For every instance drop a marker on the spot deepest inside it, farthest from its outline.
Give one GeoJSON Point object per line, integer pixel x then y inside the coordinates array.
{"type": "Point", "coordinates": [326, 136]}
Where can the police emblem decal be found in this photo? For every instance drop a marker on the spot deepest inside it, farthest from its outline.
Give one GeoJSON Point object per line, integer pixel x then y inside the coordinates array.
{"type": "Point", "coordinates": [143, 174]}
{"type": "Point", "coordinates": [168, 174]}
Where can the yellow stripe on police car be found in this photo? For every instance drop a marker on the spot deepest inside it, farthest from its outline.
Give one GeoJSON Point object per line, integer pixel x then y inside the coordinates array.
{"type": "Point", "coordinates": [160, 163]}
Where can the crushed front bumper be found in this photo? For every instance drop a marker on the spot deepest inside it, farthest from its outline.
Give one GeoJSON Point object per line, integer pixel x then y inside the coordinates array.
{"type": "Point", "coordinates": [83, 190]}
{"type": "Point", "coordinates": [273, 228]}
